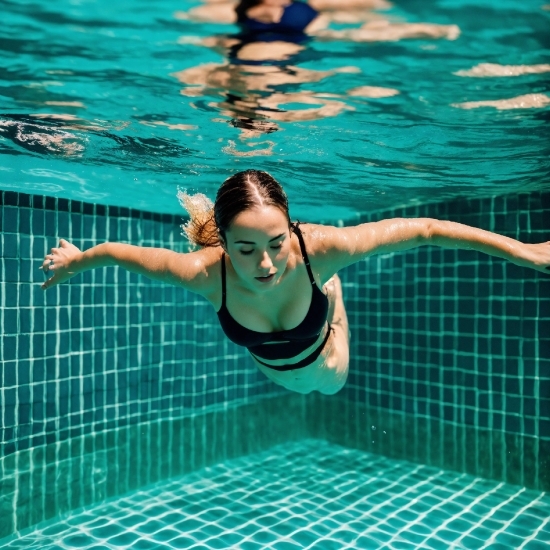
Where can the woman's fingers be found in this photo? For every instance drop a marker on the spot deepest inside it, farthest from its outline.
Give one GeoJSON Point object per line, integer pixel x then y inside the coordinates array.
{"type": "Point", "coordinates": [55, 278]}
{"type": "Point", "coordinates": [48, 259]}
{"type": "Point", "coordinates": [55, 264]}
{"type": "Point", "coordinates": [49, 283]}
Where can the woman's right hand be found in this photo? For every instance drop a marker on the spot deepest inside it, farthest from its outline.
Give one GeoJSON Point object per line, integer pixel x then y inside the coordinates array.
{"type": "Point", "coordinates": [60, 262]}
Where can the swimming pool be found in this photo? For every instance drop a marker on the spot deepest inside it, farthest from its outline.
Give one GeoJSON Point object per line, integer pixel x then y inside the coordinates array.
{"type": "Point", "coordinates": [309, 494]}
{"type": "Point", "coordinates": [94, 108]}
{"type": "Point", "coordinates": [116, 391]}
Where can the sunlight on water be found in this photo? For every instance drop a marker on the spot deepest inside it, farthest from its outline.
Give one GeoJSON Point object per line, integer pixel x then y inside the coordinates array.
{"type": "Point", "coordinates": [409, 103]}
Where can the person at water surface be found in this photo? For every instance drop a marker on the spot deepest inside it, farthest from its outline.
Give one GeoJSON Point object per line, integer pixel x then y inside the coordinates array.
{"type": "Point", "coordinates": [320, 12]}
{"type": "Point", "coordinates": [274, 283]}
{"type": "Point", "coordinates": [258, 79]}
{"type": "Point", "coordinates": [297, 18]}
{"type": "Point", "coordinates": [277, 16]}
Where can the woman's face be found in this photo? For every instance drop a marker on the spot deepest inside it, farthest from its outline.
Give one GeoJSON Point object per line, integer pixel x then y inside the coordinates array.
{"type": "Point", "coordinates": [258, 243]}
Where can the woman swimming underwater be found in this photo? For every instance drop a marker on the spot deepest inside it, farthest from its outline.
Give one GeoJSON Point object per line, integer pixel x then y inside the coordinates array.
{"type": "Point", "coordinates": [273, 282]}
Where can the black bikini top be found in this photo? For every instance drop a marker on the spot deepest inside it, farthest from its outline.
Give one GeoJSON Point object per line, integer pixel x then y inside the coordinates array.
{"type": "Point", "coordinates": [282, 344]}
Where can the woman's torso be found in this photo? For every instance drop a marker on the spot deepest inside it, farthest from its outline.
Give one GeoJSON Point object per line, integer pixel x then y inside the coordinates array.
{"type": "Point", "coordinates": [283, 309]}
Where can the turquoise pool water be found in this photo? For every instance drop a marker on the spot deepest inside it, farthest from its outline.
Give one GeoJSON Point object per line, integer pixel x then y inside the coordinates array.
{"type": "Point", "coordinates": [97, 105]}
{"type": "Point", "coordinates": [310, 494]}
{"type": "Point", "coordinates": [101, 102]}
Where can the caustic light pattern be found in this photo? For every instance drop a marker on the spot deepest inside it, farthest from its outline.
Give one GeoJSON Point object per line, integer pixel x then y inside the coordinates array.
{"type": "Point", "coordinates": [309, 494]}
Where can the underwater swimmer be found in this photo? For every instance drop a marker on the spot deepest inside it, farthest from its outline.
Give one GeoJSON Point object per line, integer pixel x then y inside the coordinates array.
{"type": "Point", "coordinates": [273, 283]}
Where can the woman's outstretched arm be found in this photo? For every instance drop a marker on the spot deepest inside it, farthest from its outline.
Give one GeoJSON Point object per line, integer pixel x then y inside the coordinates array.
{"type": "Point", "coordinates": [187, 270]}
{"type": "Point", "coordinates": [336, 248]}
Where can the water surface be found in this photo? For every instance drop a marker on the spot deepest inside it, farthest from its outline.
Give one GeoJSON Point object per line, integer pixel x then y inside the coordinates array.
{"type": "Point", "coordinates": [98, 103]}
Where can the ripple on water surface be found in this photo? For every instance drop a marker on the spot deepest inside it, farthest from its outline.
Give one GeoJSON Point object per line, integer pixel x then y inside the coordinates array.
{"type": "Point", "coordinates": [310, 494]}
{"type": "Point", "coordinates": [412, 102]}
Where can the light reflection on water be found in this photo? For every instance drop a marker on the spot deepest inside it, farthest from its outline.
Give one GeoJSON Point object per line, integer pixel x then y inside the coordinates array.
{"type": "Point", "coordinates": [121, 106]}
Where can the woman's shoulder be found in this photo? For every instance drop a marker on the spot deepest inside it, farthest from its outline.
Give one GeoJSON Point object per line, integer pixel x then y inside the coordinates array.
{"type": "Point", "coordinates": [316, 236]}
{"type": "Point", "coordinates": [209, 258]}
{"type": "Point", "coordinates": [320, 241]}
{"type": "Point", "coordinates": [332, 242]}
{"type": "Point", "coordinates": [205, 265]}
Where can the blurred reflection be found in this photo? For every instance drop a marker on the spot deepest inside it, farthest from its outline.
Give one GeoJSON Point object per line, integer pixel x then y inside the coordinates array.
{"type": "Point", "coordinates": [249, 95]}
{"type": "Point", "coordinates": [313, 18]}
{"type": "Point", "coordinates": [231, 149]}
{"type": "Point", "coordinates": [55, 135]}
{"type": "Point", "coordinates": [262, 58]}
{"type": "Point", "coordinates": [226, 11]}
{"type": "Point", "coordinates": [66, 135]}
{"type": "Point", "coordinates": [387, 31]}
{"type": "Point", "coordinates": [493, 69]}
{"type": "Point", "coordinates": [528, 101]}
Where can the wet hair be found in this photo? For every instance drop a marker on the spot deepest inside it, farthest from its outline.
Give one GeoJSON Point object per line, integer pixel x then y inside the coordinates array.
{"type": "Point", "coordinates": [243, 7]}
{"type": "Point", "coordinates": [209, 221]}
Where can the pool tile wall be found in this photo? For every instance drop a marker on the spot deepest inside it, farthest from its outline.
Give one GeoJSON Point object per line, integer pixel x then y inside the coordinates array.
{"type": "Point", "coordinates": [109, 348]}
{"type": "Point", "coordinates": [450, 358]}
{"type": "Point", "coordinates": [40, 483]}
{"type": "Point", "coordinates": [456, 342]}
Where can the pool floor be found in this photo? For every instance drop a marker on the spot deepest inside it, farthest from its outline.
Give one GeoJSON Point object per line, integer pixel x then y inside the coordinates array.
{"type": "Point", "coordinates": [308, 494]}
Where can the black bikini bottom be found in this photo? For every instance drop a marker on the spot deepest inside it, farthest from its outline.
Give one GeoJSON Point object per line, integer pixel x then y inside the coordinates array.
{"type": "Point", "coordinates": [304, 362]}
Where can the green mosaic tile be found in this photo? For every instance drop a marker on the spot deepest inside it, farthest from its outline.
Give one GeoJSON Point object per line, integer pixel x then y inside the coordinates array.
{"type": "Point", "coordinates": [42, 485]}
{"type": "Point", "coordinates": [460, 384]}
{"type": "Point", "coordinates": [543, 459]}
{"type": "Point", "coordinates": [484, 453]}
{"type": "Point", "coordinates": [306, 494]}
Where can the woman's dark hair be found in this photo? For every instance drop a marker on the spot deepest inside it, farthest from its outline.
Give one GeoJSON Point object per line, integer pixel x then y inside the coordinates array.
{"type": "Point", "coordinates": [208, 222]}
{"type": "Point", "coordinates": [243, 7]}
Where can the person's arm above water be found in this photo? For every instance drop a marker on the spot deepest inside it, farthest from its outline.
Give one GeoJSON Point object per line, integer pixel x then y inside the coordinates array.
{"type": "Point", "coordinates": [211, 12]}
{"type": "Point", "coordinates": [186, 270]}
{"type": "Point", "coordinates": [336, 248]}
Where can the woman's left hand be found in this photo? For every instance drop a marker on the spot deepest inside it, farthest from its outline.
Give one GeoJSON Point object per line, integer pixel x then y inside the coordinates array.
{"type": "Point", "coordinates": [535, 256]}
{"type": "Point", "coordinates": [61, 262]}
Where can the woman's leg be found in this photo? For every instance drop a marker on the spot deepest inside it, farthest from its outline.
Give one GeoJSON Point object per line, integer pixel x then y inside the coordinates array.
{"type": "Point", "coordinates": [338, 359]}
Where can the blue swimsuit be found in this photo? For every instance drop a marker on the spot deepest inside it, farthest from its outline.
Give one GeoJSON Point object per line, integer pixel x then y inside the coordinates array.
{"type": "Point", "coordinates": [296, 17]}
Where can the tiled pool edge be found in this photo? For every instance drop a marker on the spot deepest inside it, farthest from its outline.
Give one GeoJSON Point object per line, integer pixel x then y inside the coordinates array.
{"type": "Point", "coordinates": [454, 345]}
{"type": "Point", "coordinates": [179, 392]}
{"type": "Point", "coordinates": [44, 482]}
{"type": "Point", "coordinates": [513, 458]}
{"type": "Point", "coordinates": [108, 348]}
